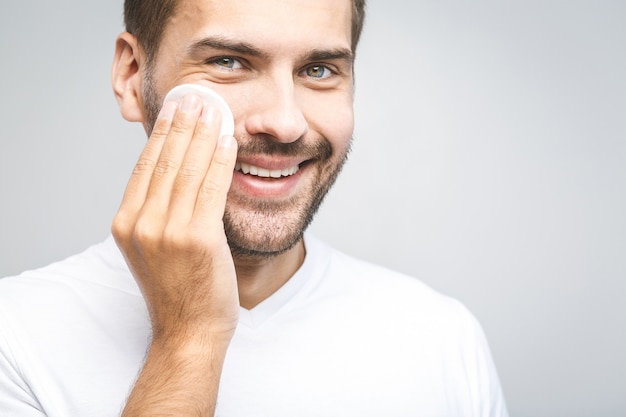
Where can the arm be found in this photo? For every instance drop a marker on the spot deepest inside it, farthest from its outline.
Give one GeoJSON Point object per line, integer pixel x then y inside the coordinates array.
{"type": "Point", "coordinates": [16, 396]}
{"type": "Point", "coordinates": [180, 378]}
{"type": "Point", "coordinates": [169, 228]}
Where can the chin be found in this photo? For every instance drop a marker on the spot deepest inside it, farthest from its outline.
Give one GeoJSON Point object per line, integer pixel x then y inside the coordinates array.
{"type": "Point", "coordinates": [267, 230]}
{"type": "Point", "coordinates": [261, 243]}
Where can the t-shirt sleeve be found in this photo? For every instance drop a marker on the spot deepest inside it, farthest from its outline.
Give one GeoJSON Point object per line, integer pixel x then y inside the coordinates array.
{"type": "Point", "coordinates": [16, 398]}
{"type": "Point", "coordinates": [487, 391]}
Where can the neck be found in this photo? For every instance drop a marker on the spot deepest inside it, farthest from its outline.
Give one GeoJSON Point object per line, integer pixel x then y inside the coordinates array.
{"type": "Point", "coordinates": [258, 278]}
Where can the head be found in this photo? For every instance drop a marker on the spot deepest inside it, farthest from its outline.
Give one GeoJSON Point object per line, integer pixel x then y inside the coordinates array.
{"type": "Point", "coordinates": [146, 19]}
{"type": "Point", "coordinates": [286, 70]}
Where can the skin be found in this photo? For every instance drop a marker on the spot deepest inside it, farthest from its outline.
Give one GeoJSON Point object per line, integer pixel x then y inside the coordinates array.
{"type": "Point", "coordinates": [200, 238]}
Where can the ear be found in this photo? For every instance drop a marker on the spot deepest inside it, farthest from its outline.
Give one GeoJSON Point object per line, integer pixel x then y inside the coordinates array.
{"type": "Point", "coordinates": [127, 77]}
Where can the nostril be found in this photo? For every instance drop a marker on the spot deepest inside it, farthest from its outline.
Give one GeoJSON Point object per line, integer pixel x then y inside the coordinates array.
{"type": "Point", "coordinates": [282, 119]}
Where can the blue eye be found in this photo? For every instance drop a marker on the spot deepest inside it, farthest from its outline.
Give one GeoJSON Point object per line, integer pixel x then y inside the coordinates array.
{"type": "Point", "coordinates": [227, 62]}
{"type": "Point", "coordinates": [318, 71]}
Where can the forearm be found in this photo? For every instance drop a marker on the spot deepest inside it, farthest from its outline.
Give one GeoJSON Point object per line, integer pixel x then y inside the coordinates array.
{"type": "Point", "coordinates": [170, 229]}
{"type": "Point", "coordinates": [180, 378]}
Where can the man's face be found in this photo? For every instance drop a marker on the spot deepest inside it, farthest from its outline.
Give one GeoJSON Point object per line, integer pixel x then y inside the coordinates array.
{"type": "Point", "coordinates": [285, 69]}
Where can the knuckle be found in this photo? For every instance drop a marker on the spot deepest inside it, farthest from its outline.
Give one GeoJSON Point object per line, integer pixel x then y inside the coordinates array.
{"type": "Point", "coordinates": [220, 162]}
{"type": "Point", "coordinates": [143, 166]}
{"type": "Point", "coordinates": [144, 233]}
{"type": "Point", "coordinates": [210, 186]}
{"type": "Point", "coordinates": [184, 241]}
{"type": "Point", "coordinates": [120, 228]}
{"type": "Point", "coordinates": [180, 127]}
{"type": "Point", "coordinates": [205, 132]}
{"type": "Point", "coordinates": [160, 129]}
{"type": "Point", "coordinates": [165, 166]}
{"type": "Point", "coordinates": [190, 172]}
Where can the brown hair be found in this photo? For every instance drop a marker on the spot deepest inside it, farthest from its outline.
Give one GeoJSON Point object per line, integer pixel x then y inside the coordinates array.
{"type": "Point", "coordinates": [358, 19]}
{"type": "Point", "coordinates": [146, 19]}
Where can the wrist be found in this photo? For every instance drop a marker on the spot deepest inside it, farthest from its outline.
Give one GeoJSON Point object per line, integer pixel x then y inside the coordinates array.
{"type": "Point", "coordinates": [192, 342]}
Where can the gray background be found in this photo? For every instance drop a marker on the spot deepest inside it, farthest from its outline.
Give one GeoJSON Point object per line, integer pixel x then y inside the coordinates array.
{"type": "Point", "coordinates": [489, 162]}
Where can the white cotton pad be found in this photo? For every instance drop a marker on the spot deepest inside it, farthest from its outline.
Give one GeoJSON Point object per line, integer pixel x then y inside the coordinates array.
{"type": "Point", "coordinates": [208, 96]}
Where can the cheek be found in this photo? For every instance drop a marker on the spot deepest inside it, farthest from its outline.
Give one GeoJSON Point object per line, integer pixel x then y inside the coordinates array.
{"type": "Point", "coordinates": [334, 120]}
{"type": "Point", "coordinates": [239, 98]}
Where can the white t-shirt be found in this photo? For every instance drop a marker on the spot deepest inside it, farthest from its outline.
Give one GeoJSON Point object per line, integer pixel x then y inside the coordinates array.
{"type": "Point", "coordinates": [341, 338]}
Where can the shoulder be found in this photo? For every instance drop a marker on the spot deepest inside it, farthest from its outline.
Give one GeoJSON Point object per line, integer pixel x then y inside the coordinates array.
{"type": "Point", "coordinates": [65, 286]}
{"type": "Point", "coordinates": [87, 298]}
{"type": "Point", "coordinates": [80, 319]}
{"type": "Point", "coordinates": [98, 264]}
{"type": "Point", "coordinates": [388, 292]}
{"type": "Point", "coordinates": [428, 332]}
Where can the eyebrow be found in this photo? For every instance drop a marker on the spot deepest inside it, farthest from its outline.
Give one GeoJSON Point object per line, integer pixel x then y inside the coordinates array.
{"type": "Point", "coordinates": [245, 48]}
{"type": "Point", "coordinates": [225, 44]}
{"type": "Point", "coordinates": [342, 54]}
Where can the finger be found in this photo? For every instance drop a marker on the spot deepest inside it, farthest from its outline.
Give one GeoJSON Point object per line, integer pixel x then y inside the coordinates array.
{"type": "Point", "coordinates": [194, 166]}
{"type": "Point", "coordinates": [213, 192]}
{"type": "Point", "coordinates": [170, 159]}
{"type": "Point", "coordinates": [137, 187]}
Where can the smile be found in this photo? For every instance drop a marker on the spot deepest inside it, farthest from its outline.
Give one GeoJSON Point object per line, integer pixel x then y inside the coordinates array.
{"type": "Point", "coordinates": [264, 172]}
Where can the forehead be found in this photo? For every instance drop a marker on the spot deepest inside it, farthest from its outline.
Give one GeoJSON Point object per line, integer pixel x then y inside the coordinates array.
{"type": "Point", "coordinates": [277, 24]}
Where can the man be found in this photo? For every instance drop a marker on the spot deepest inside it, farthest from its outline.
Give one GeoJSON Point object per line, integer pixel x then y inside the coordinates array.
{"type": "Point", "coordinates": [214, 303]}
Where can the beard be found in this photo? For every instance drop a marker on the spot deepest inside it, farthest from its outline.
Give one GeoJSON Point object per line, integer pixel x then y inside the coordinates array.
{"type": "Point", "coordinates": [264, 228]}
{"type": "Point", "coordinates": [261, 228]}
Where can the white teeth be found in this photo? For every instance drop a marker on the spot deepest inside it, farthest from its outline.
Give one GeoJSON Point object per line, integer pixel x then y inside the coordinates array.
{"type": "Point", "coordinates": [265, 173]}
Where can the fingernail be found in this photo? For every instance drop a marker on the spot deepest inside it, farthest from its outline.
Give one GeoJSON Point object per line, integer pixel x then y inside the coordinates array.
{"type": "Point", "coordinates": [189, 103]}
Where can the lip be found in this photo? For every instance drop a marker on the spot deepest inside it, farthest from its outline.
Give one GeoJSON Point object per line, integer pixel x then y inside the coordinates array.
{"type": "Point", "coordinates": [271, 163]}
{"type": "Point", "coordinates": [252, 186]}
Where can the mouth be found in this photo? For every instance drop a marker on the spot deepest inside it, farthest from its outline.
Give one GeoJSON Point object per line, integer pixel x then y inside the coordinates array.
{"type": "Point", "coordinates": [256, 171]}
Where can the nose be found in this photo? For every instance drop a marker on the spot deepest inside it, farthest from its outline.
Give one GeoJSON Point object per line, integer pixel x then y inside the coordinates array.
{"type": "Point", "coordinates": [275, 110]}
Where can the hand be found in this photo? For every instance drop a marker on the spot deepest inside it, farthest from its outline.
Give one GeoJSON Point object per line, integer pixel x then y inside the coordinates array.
{"type": "Point", "coordinates": [169, 226]}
